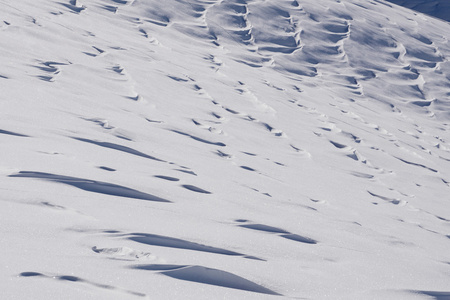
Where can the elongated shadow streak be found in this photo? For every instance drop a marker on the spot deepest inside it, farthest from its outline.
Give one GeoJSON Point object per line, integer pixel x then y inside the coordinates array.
{"type": "Point", "coordinates": [170, 242]}
{"type": "Point", "coordinates": [165, 241]}
{"type": "Point", "coordinates": [209, 276]}
{"type": "Point", "coordinates": [168, 178]}
{"type": "Point", "coordinates": [266, 228]}
{"type": "Point", "coordinates": [199, 139]}
{"type": "Point", "coordinates": [195, 189]}
{"type": "Point", "coordinates": [416, 164]}
{"type": "Point", "coordinates": [92, 186]}
{"type": "Point", "coordinates": [281, 232]}
{"type": "Point", "coordinates": [118, 148]}
{"type": "Point", "coordinates": [435, 294]}
{"type": "Point", "coordinates": [71, 278]}
{"type": "Point", "coordinates": [12, 133]}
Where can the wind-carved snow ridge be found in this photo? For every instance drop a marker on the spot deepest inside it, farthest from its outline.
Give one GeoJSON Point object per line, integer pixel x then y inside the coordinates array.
{"type": "Point", "coordinates": [238, 149]}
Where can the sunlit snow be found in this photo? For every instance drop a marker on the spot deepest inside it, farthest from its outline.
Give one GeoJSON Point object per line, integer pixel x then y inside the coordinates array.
{"type": "Point", "coordinates": [224, 149]}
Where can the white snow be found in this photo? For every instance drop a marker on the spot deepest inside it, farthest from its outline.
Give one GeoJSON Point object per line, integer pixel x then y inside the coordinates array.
{"type": "Point", "coordinates": [223, 149]}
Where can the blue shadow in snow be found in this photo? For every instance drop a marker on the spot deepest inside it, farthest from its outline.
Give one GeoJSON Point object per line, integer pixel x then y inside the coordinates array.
{"type": "Point", "coordinates": [118, 148]}
{"type": "Point", "coordinates": [209, 276]}
{"type": "Point", "coordinates": [92, 186]}
{"type": "Point", "coordinates": [12, 133]}
{"type": "Point", "coordinates": [199, 139]}
{"type": "Point", "coordinates": [436, 295]}
{"type": "Point", "coordinates": [165, 241]}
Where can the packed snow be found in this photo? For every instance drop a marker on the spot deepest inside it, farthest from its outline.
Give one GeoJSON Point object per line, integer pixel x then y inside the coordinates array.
{"type": "Point", "coordinates": [224, 149]}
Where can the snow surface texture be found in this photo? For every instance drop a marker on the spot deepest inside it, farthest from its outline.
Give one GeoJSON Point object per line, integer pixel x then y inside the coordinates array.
{"type": "Point", "coordinates": [236, 149]}
{"type": "Point", "coordinates": [436, 8]}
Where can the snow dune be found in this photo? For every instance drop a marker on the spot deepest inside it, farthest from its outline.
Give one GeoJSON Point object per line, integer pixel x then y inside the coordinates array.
{"type": "Point", "coordinates": [238, 149]}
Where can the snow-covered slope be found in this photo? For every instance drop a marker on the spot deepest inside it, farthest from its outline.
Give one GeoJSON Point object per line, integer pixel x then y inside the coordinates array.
{"type": "Point", "coordinates": [435, 8]}
{"type": "Point", "coordinates": [236, 149]}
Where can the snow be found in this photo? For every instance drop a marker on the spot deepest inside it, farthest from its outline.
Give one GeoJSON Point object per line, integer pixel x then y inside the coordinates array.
{"type": "Point", "coordinates": [238, 149]}
{"type": "Point", "coordinates": [435, 8]}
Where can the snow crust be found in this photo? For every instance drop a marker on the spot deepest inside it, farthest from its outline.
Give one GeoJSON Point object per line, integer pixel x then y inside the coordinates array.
{"type": "Point", "coordinates": [235, 149]}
